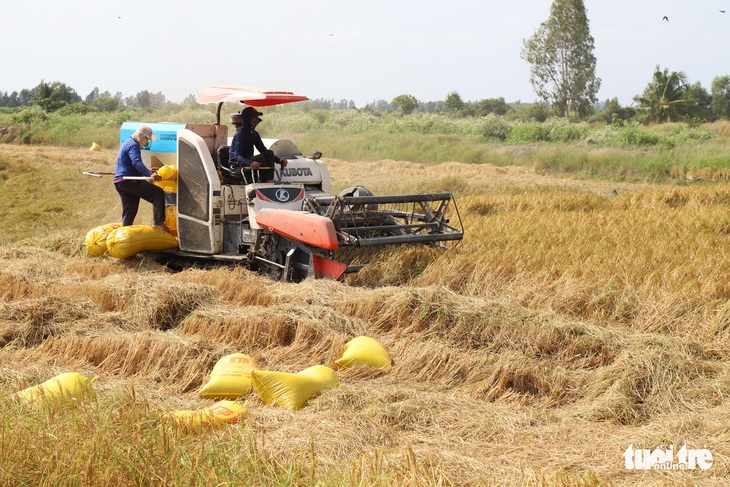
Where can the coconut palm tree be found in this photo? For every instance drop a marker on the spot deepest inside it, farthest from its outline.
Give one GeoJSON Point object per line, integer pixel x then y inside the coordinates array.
{"type": "Point", "coordinates": [52, 96]}
{"type": "Point", "coordinates": [667, 98]}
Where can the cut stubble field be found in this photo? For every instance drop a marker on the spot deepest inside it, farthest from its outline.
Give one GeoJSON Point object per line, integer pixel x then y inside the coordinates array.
{"type": "Point", "coordinates": [577, 318]}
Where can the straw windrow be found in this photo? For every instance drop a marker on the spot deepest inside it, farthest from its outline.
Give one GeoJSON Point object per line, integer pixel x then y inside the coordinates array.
{"type": "Point", "coordinates": [571, 322]}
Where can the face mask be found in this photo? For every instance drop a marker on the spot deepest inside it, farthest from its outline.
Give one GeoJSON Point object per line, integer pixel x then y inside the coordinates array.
{"type": "Point", "coordinates": [147, 141]}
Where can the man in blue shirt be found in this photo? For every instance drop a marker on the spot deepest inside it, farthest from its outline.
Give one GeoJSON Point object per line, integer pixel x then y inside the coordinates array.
{"type": "Point", "coordinates": [129, 164]}
{"type": "Point", "coordinates": [241, 151]}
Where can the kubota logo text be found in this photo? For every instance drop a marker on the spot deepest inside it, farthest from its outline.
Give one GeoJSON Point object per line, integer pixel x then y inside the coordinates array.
{"type": "Point", "coordinates": [297, 171]}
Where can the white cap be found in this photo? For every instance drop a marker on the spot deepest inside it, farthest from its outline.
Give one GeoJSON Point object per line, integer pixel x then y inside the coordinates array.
{"type": "Point", "coordinates": [144, 130]}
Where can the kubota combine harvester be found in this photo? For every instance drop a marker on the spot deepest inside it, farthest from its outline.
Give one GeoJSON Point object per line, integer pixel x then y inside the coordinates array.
{"type": "Point", "coordinates": [291, 229]}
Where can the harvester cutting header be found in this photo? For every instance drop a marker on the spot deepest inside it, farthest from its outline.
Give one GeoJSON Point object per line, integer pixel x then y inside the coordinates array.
{"type": "Point", "coordinates": [292, 228]}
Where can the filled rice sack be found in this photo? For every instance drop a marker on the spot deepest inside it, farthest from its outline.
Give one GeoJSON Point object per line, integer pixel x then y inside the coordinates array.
{"type": "Point", "coordinates": [222, 412]}
{"type": "Point", "coordinates": [67, 389]}
{"type": "Point", "coordinates": [367, 351]}
{"type": "Point", "coordinates": [127, 241]}
{"type": "Point", "coordinates": [169, 178]}
{"type": "Point", "coordinates": [171, 219]}
{"type": "Point", "coordinates": [292, 391]}
{"type": "Point", "coordinates": [230, 378]}
{"type": "Point", "coordinates": [167, 185]}
{"type": "Point", "coordinates": [168, 172]}
{"type": "Point", "coordinates": [96, 238]}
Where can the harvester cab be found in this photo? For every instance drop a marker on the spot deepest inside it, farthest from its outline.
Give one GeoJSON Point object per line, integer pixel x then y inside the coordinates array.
{"type": "Point", "coordinates": [291, 229]}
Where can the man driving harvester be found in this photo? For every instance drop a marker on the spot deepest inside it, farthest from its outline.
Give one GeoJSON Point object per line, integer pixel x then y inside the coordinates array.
{"type": "Point", "coordinates": [243, 143]}
{"type": "Point", "coordinates": [130, 165]}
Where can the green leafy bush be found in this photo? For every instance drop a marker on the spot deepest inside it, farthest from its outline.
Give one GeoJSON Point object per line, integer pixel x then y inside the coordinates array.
{"type": "Point", "coordinates": [30, 116]}
{"type": "Point", "coordinates": [604, 136]}
{"type": "Point", "coordinates": [526, 133]}
{"type": "Point", "coordinates": [639, 136]}
{"type": "Point", "coordinates": [494, 127]}
{"type": "Point", "coordinates": [75, 108]}
{"type": "Point", "coordinates": [562, 130]}
{"type": "Point", "coordinates": [351, 121]}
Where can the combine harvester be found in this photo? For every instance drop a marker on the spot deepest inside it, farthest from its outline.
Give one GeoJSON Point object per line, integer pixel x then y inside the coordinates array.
{"type": "Point", "coordinates": [294, 228]}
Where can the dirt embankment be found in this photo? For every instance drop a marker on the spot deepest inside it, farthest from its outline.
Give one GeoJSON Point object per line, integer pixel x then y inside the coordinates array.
{"type": "Point", "coordinates": [10, 134]}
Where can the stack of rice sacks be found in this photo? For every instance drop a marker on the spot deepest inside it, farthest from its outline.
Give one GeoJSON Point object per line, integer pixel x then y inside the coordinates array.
{"type": "Point", "coordinates": [122, 242]}
{"type": "Point", "coordinates": [236, 375]}
{"type": "Point", "coordinates": [169, 185]}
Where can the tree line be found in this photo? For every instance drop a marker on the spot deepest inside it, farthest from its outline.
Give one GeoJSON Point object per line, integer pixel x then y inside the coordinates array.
{"type": "Point", "coordinates": [57, 95]}
{"type": "Point", "coordinates": [668, 97]}
{"type": "Point", "coordinates": [562, 73]}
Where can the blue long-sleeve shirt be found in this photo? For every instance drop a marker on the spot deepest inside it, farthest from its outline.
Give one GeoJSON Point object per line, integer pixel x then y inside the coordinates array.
{"type": "Point", "coordinates": [242, 145]}
{"type": "Point", "coordinates": [129, 161]}
{"type": "Point", "coordinates": [241, 150]}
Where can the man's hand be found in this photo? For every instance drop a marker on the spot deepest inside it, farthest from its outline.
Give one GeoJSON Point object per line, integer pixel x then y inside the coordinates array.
{"type": "Point", "coordinates": [283, 162]}
{"type": "Point", "coordinates": [255, 165]}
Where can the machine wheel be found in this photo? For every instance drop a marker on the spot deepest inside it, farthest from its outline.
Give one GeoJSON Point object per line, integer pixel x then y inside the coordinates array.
{"type": "Point", "coordinates": [269, 258]}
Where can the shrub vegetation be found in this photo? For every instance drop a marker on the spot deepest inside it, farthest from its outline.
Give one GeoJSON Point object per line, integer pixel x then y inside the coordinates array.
{"type": "Point", "coordinates": [618, 150]}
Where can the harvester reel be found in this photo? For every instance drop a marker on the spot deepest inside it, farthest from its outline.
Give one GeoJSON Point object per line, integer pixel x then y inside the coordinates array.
{"type": "Point", "coordinates": [359, 191]}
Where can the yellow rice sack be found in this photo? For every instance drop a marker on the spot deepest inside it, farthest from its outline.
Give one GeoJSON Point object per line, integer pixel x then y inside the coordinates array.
{"type": "Point", "coordinates": [169, 178]}
{"type": "Point", "coordinates": [168, 172]}
{"type": "Point", "coordinates": [364, 351]}
{"type": "Point", "coordinates": [230, 378]}
{"type": "Point", "coordinates": [292, 391]}
{"type": "Point", "coordinates": [96, 238]}
{"type": "Point", "coordinates": [222, 412]}
{"type": "Point", "coordinates": [167, 186]}
{"type": "Point", "coordinates": [171, 219]}
{"type": "Point", "coordinates": [127, 241]}
{"type": "Point", "coordinates": [66, 389]}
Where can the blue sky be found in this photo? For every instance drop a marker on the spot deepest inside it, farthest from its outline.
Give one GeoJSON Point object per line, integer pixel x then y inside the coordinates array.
{"type": "Point", "coordinates": [361, 51]}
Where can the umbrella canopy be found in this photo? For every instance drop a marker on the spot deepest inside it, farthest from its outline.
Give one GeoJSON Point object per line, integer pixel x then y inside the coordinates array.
{"type": "Point", "coordinates": [256, 97]}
